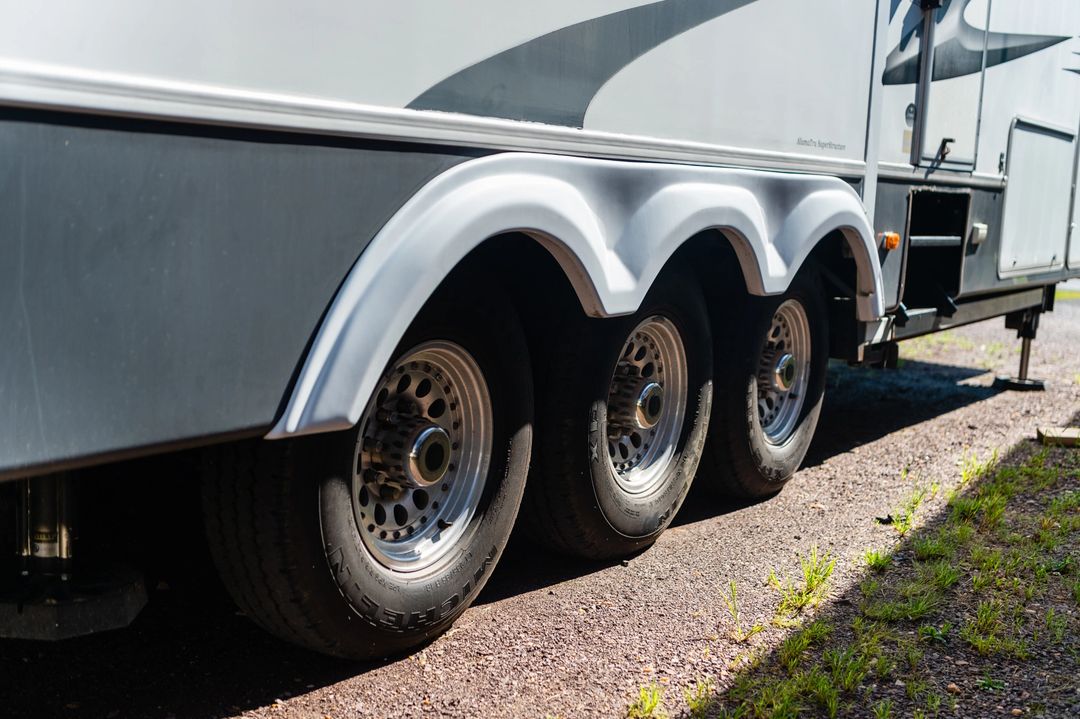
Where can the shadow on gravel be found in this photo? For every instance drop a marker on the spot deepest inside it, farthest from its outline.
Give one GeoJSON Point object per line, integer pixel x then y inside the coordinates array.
{"type": "Point", "coordinates": [864, 404]}
{"type": "Point", "coordinates": [190, 654]}
{"type": "Point", "coordinates": [184, 656]}
{"type": "Point", "coordinates": [861, 405]}
{"type": "Point", "coordinates": [975, 612]}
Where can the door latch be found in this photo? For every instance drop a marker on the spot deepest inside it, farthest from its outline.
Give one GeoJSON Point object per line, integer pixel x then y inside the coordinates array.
{"type": "Point", "coordinates": [943, 149]}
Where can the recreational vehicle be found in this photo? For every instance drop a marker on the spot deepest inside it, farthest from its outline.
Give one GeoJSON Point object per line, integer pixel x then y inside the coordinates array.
{"type": "Point", "coordinates": [403, 275]}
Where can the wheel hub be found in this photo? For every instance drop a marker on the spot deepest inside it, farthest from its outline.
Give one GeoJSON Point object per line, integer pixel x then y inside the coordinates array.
{"type": "Point", "coordinates": [422, 456]}
{"type": "Point", "coordinates": [646, 405]}
{"type": "Point", "coordinates": [638, 405]}
{"type": "Point", "coordinates": [784, 372]}
{"type": "Point", "coordinates": [427, 455]}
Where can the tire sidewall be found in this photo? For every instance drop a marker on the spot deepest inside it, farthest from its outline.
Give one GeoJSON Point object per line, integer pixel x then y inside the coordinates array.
{"type": "Point", "coordinates": [645, 515]}
{"type": "Point", "coordinates": [776, 463]}
{"type": "Point", "coordinates": [414, 608]}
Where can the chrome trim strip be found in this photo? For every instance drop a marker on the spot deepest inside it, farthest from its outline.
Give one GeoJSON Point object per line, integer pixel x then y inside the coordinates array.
{"type": "Point", "coordinates": [36, 85]}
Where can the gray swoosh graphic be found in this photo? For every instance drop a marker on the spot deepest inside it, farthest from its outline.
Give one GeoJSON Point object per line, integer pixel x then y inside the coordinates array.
{"type": "Point", "coordinates": [553, 78]}
{"type": "Point", "coordinates": [958, 48]}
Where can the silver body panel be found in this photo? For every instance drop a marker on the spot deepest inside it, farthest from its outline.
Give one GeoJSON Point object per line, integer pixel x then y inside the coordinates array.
{"type": "Point", "coordinates": [625, 127]}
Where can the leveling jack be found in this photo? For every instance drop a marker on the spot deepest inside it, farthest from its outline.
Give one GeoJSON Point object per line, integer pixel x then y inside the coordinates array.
{"type": "Point", "coordinates": [1026, 324]}
{"type": "Point", "coordinates": [49, 596]}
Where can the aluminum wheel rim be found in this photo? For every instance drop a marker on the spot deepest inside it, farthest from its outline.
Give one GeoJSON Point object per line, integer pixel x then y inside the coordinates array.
{"type": "Point", "coordinates": [784, 372]}
{"type": "Point", "coordinates": [639, 456]}
{"type": "Point", "coordinates": [422, 457]}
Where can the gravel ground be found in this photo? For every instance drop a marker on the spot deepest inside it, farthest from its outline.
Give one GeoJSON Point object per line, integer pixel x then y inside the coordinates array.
{"type": "Point", "coordinates": [550, 636]}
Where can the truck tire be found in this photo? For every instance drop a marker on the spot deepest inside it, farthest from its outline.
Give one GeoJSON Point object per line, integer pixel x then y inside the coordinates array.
{"type": "Point", "coordinates": [364, 543]}
{"type": "Point", "coordinates": [623, 415]}
{"type": "Point", "coordinates": [770, 382]}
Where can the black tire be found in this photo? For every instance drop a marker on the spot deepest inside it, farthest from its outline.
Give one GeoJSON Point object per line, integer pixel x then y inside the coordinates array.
{"type": "Point", "coordinates": [574, 503]}
{"type": "Point", "coordinates": [739, 457]}
{"type": "Point", "coordinates": [285, 536]}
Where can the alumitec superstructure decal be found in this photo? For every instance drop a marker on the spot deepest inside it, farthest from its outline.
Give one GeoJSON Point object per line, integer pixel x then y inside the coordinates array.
{"type": "Point", "coordinates": [958, 49]}
{"type": "Point", "coordinates": [553, 78]}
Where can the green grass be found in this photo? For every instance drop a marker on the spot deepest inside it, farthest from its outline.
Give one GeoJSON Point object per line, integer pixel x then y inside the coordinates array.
{"type": "Point", "coordinates": [877, 560]}
{"type": "Point", "coordinates": [940, 575]}
{"type": "Point", "coordinates": [987, 617]}
{"type": "Point", "coordinates": [649, 704]}
{"type": "Point", "coordinates": [980, 581]}
{"type": "Point", "coordinates": [900, 610]}
{"type": "Point", "coordinates": [960, 534]}
{"type": "Point", "coordinates": [986, 559]}
{"type": "Point", "coordinates": [1056, 625]}
{"type": "Point", "coordinates": [796, 597]}
{"type": "Point", "coordinates": [791, 649]}
{"type": "Point", "coordinates": [989, 634]}
{"type": "Point", "coordinates": [938, 546]}
{"type": "Point", "coordinates": [700, 697]}
{"type": "Point", "coordinates": [987, 683]}
{"type": "Point", "coordinates": [821, 690]}
{"type": "Point", "coordinates": [847, 666]}
{"type": "Point", "coordinates": [915, 689]}
{"type": "Point", "coordinates": [971, 468]}
{"type": "Point", "coordinates": [931, 633]}
{"type": "Point", "coordinates": [731, 600]}
{"type": "Point", "coordinates": [882, 709]}
{"type": "Point", "coordinates": [967, 585]}
{"type": "Point", "coordinates": [904, 517]}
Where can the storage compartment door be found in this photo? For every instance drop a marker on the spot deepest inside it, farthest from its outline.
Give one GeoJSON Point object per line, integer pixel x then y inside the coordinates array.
{"type": "Point", "coordinates": [952, 112]}
{"type": "Point", "coordinates": [1038, 199]}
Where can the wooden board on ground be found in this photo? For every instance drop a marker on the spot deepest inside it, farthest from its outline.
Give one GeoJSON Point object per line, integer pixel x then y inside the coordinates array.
{"type": "Point", "coordinates": [1060, 436]}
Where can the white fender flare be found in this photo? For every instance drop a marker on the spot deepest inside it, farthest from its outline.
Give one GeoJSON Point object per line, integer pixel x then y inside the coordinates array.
{"type": "Point", "coordinates": [611, 225]}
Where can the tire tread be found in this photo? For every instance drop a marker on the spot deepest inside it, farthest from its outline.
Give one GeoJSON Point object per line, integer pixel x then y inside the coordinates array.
{"type": "Point", "coordinates": [246, 493]}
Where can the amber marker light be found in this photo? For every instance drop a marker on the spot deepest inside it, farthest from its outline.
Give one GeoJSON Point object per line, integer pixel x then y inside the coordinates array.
{"type": "Point", "coordinates": [889, 240]}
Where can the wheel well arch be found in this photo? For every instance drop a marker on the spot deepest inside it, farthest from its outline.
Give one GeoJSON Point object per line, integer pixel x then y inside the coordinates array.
{"type": "Point", "coordinates": [551, 287]}
{"type": "Point", "coordinates": [712, 245]}
{"type": "Point", "coordinates": [611, 227]}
